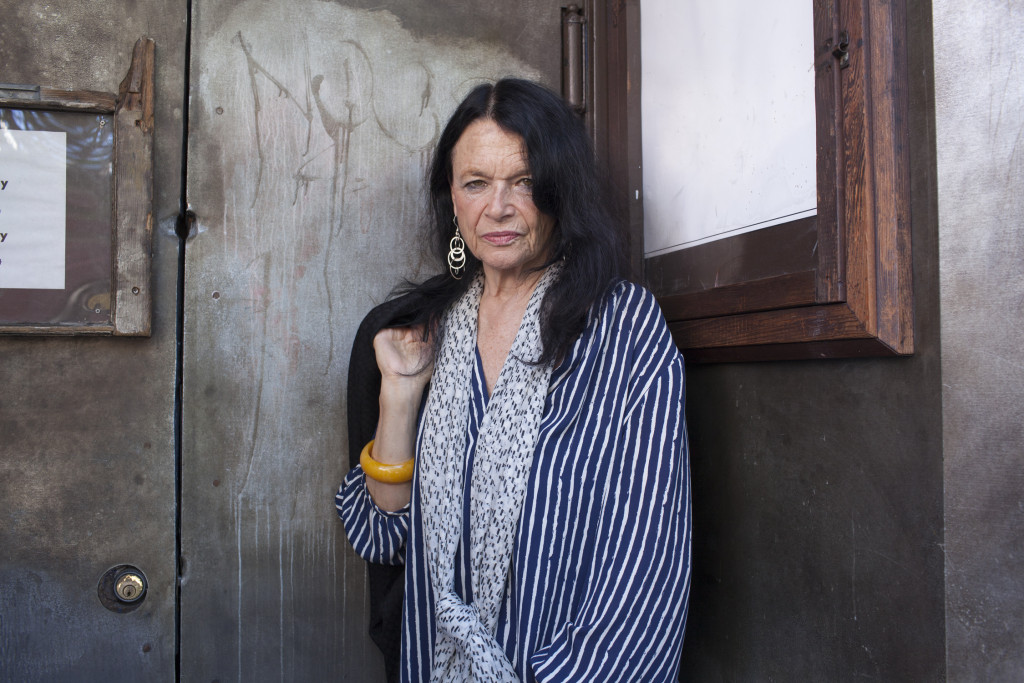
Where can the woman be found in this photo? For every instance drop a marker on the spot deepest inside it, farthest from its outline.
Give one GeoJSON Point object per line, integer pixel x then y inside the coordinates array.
{"type": "Point", "coordinates": [545, 530]}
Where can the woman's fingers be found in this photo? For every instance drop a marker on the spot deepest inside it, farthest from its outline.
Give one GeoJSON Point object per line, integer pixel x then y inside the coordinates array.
{"type": "Point", "coordinates": [403, 352]}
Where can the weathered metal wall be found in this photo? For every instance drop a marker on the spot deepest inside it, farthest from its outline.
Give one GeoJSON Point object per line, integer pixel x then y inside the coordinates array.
{"type": "Point", "coordinates": [818, 517]}
{"type": "Point", "coordinates": [86, 438]}
{"type": "Point", "coordinates": [979, 109]}
{"type": "Point", "coordinates": [309, 129]}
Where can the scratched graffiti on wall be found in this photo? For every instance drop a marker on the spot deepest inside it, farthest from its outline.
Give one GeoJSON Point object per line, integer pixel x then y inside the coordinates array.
{"type": "Point", "coordinates": [356, 108]}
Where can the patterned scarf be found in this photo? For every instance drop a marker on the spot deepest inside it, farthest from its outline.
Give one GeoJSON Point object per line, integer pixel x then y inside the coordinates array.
{"type": "Point", "coordinates": [466, 649]}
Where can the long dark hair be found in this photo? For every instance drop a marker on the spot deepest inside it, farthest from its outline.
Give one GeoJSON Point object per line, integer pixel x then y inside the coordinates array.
{"type": "Point", "coordinates": [566, 187]}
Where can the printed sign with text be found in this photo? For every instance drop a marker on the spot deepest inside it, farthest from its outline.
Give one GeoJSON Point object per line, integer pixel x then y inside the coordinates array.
{"type": "Point", "coordinates": [33, 204]}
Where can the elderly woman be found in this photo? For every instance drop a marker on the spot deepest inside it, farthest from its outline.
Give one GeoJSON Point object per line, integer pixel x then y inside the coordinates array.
{"type": "Point", "coordinates": [538, 496]}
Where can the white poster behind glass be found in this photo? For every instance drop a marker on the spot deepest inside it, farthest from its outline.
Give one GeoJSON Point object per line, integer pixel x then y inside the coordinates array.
{"type": "Point", "coordinates": [728, 118]}
{"type": "Point", "coordinates": [33, 200]}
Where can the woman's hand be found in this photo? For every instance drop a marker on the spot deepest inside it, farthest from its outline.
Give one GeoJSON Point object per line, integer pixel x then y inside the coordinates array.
{"type": "Point", "coordinates": [404, 355]}
{"type": "Point", "coordinates": [406, 361]}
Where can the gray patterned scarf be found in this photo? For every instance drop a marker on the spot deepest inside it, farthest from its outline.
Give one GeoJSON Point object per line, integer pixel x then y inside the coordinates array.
{"type": "Point", "coordinates": [466, 649]}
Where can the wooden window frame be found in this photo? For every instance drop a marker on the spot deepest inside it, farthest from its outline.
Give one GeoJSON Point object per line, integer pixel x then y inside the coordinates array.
{"type": "Point", "coordinates": [132, 201]}
{"type": "Point", "coordinates": [838, 284]}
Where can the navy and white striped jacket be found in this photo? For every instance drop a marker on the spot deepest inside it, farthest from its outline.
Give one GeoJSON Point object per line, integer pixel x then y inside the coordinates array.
{"type": "Point", "coordinates": [600, 572]}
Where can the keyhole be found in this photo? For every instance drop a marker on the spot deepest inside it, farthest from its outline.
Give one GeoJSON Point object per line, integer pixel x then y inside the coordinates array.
{"type": "Point", "coordinates": [129, 586]}
{"type": "Point", "coordinates": [122, 588]}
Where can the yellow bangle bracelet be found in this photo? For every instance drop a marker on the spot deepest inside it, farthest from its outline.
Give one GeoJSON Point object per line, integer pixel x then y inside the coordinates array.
{"type": "Point", "coordinates": [386, 474]}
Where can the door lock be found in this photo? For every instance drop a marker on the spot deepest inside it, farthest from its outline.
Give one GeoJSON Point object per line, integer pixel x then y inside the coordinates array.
{"type": "Point", "coordinates": [122, 588]}
{"type": "Point", "coordinates": [129, 586]}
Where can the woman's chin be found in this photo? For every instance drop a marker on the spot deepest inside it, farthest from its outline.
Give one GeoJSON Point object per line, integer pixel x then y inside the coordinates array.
{"type": "Point", "coordinates": [511, 268]}
{"type": "Point", "coordinates": [509, 261]}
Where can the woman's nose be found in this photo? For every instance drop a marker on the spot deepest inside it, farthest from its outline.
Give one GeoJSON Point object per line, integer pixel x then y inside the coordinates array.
{"type": "Point", "coordinates": [500, 204]}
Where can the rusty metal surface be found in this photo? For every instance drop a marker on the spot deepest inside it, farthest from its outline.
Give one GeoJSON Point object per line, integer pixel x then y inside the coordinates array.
{"type": "Point", "coordinates": [979, 112]}
{"type": "Point", "coordinates": [86, 439]}
{"type": "Point", "coordinates": [310, 125]}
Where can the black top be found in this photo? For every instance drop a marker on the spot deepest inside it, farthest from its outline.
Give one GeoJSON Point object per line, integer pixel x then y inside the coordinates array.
{"type": "Point", "coordinates": [364, 379]}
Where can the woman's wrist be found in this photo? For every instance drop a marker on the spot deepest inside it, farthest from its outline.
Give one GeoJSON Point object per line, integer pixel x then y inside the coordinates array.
{"type": "Point", "coordinates": [399, 413]}
{"type": "Point", "coordinates": [400, 405]}
{"type": "Point", "coordinates": [400, 389]}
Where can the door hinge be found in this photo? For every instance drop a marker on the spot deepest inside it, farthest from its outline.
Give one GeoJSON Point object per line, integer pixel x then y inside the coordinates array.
{"type": "Point", "coordinates": [573, 65]}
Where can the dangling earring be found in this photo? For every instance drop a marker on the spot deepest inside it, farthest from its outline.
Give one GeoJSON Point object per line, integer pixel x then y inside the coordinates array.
{"type": "Point", "coordinates": [456, 252]}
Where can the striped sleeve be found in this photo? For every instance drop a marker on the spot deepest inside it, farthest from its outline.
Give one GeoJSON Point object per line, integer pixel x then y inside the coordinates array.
{"type": "Point", "coordinates": [629, 626]}
{"type": "Point", "coordinates": [376, 535]}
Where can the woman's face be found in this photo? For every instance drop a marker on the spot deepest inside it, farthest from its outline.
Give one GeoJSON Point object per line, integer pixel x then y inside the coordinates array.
{"type": "Point", "coordinates": [493, 197]}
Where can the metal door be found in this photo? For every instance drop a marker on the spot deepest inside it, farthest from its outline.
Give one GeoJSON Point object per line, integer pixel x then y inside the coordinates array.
{"type": "Point", "coordinates": [87, 459]}
{"type": "Point", "coordinates": [309, 130]}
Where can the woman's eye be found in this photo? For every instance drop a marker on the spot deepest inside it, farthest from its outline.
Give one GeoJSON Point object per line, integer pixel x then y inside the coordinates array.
{"type": "Point", "coordinates": [526, 182]}
{"type": "Point", "coordinates": [475, 184]}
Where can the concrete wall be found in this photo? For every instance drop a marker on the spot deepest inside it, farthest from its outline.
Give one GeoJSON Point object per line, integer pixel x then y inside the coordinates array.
{"type": "Point", "coordinates": [818, 491]}
{"type": "Point", "coordinates": [979, 111]}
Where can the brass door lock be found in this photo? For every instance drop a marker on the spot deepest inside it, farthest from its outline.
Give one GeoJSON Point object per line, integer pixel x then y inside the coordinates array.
{"type": "Point", "coordinates": [129, 586]}
{"type": "Point", "coordinates": [122, 588]}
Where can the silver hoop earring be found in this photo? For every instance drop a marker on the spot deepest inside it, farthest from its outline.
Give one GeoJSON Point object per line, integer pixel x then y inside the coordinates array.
{"type": "Point", "coordinates": [456, 253]}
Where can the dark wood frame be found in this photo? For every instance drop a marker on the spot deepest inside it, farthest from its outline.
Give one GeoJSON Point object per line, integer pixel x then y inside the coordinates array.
{"type": "Point", "coordinates": [132, 201]}
{"type": "Point", "coordinates": [834, 285]}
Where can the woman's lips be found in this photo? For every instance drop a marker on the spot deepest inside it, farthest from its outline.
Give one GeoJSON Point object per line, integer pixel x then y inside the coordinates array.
{"type": "Point", "coordinates": [500, 239]}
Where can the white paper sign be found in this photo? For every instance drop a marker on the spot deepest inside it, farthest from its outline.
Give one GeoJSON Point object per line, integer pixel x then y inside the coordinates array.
{"type": "Point", "coordinates": [728, 118]}
{"type": "Point", "coordinates": [33, 203]}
